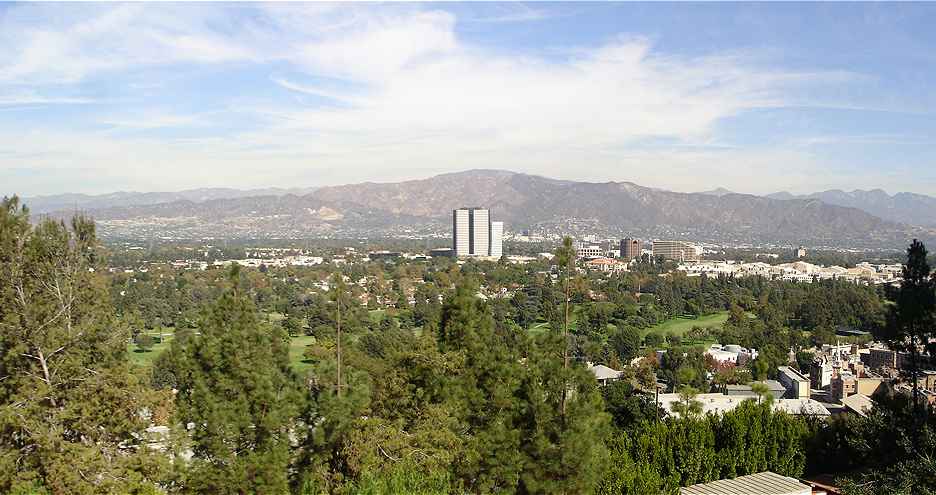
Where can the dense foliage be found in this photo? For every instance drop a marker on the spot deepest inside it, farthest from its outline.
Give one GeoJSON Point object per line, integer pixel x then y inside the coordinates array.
{"type": "Point", "coordinates": [411, 377]}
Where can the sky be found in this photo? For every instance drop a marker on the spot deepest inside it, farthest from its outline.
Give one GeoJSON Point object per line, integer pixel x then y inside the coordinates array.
{"type": "Point", "coordinates": [756, 98]}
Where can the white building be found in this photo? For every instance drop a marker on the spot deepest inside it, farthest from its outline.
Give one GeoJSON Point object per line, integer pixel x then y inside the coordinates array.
{"type": "Point", "coordinates": [497, 239]}
{"type": "Point", "coordinates": [733, 354]}
{"type": "Point", "coordinates": [718, 403]}
{"type": "Point", "coordinates": [588, 251]}
{"type": "Point", "coordinates": [796, 384]}
{"type": "Point", "coordinates": [480, 226]}
{"type": "Point", "coordinates": [604, 374]}
{"type": "Point", "coordinates": [461, 242]}
{"type": "Point", "coordinates": [474, 234]}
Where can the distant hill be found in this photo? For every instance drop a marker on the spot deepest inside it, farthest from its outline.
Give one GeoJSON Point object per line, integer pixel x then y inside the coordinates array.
{"type": "Point", "coordinates": [720, 191]}
{"type": "Point", "coordinates": [57, 202]}
{"type": "Point", "coordinates": [523, 201]}
{"type": "Point", "coordinates": [911, 208]}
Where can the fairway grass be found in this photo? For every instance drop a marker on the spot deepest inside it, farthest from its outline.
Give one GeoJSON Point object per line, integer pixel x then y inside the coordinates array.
{"type": "Point", "coordinates": [297, 346]}
{"type": "Point", "coordinates": [682, 325]}
{"type": "Point", "coordinates": [145, 359]}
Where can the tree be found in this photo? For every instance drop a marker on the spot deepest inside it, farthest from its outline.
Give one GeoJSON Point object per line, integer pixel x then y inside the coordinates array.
{"type": "Point", "coordinates": [338, 293]}
{"type": "Point", "coordinates": [763, 393]}
{"type": "Point", "coordinates": [565, 259]}
{"type": "Point", "coordinates": [71, 411]}
{"type": "Point", "coordinates": [687, 405]}
{"type": "Point", "coordinates": [627, 405]}
{"type": "Point", "coordinates": [626, 342]}
{"type": "Point", "coordinates": [292, 325]}
{"type": "Point", "coordinates": [653, 340]}
{"type": "Point", "coordinates": [910, 323]}
{"type": "Point", "coordinates": [482, 393]}
{"type": "Point", "coordinates": [237, 390]}
{"type": "Point", "coordinates": [145, 342]}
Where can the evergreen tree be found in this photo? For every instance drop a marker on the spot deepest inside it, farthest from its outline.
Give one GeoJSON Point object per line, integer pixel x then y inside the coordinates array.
{"type": "Point", "coordinates": [911, 320]}
{"type": "Point", "coordinates": [483, 394]}
{"type": "Point", "coordinates": [71, 418]}
{"type": "Point", "coordinates": [240, 397]}
{"type": "Point", "coordinates": [564, 453]}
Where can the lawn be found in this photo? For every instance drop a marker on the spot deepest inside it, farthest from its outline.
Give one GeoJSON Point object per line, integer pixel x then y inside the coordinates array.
{"type": "Point", "coordinates": [140, 358]}
{"type": "Point", "coordinates": [297, 346]}
{"type": "Point", "coordinates": [682, 325]}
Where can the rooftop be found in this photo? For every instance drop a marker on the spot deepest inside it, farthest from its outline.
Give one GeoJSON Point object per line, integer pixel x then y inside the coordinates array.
{"type": "Point", "coordinates": [765, 483]}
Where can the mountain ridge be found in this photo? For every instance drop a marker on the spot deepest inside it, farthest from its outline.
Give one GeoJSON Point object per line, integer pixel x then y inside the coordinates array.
{"type": "Point", "coordinates": [911, 208]}
{"type": "Point", "coordinates": [422, 207]}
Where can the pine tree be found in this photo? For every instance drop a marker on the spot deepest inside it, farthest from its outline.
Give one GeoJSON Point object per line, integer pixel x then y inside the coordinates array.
{"type": "Point", "coordinates": [240, 398]}
{"type": "Point", "coordinates": [71, 416]}
{"type": "Point", "coordinates": [565, 258]}
{"type": "Point", "coordinates": [482, 394]}
{"type": "Point", "coordinates": [912, 318]}
{"type": "Point", "coordinates": [564, 453]}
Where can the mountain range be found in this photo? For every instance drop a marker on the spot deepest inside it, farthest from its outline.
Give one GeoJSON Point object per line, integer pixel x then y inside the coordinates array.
{"type": "Point", "coordinates": [57, 202]}
{"type": "Point", "coordinates": [423, 207]}
{"type": "Point", "coordinates": [915, 209]}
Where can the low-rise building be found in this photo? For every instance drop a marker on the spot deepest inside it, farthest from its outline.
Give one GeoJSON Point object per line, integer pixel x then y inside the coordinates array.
{"type": "Point", "coordinates": [879, 358]}
{"type": "Point", "coordinates": [843, 385]}
{"type": "Point", "coordinates": [820, 374]}
{"type": "Point", "coordinates": [677, 250]}
{"type": "Point", "coordinates": [731, 353]}
{"type": "Point", "coordinates": [796, 385]}
{"type": "Point", "coordinates": [717, 403]}
{"type": "Point", "coordinates": [607, 265]}
{"type": "Point", "coordinates": [763, 483]}
{"type": "Point", "coordinates": [604, 374]}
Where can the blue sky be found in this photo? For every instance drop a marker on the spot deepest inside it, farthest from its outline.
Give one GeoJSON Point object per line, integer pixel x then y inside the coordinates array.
{"type": "Point", "coordinates": [753, 97]}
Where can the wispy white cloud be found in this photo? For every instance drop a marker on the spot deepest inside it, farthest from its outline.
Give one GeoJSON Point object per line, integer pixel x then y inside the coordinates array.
{"type": "Point", "coordinates": [513, 12]}
{"type": "Point", "coordinates": [413, 98]}
{"type": "Point", "coordinates": [32, 99]}
{"type": "Point", "coordinates": [314, 91]}
{"type": "Point", "coordinates": [148, 120]}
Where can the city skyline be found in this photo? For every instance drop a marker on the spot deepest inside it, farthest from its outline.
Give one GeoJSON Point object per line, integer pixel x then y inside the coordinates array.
{"type": "Point", "coordinates": [755, 98]}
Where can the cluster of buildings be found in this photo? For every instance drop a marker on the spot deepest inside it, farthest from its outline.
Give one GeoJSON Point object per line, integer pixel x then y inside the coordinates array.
{"type": "Point", "coordinates": [840, 379]}
{"type": "Point", "coordinates": [850, 374]}
{"type": "Point", "coordinates": [797, 271]}
{"type": "Point", "coordinates": [475, 234]}
{"type": "Point", "coordinates": [597, 257]}
{"type": "Point", "coordinates": [283, 261]}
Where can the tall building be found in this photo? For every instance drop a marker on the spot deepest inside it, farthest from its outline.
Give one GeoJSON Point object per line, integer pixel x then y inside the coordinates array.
{"type": "Point", "coordinates": [497, 239]}
{"type": "Point", "coordinates": [630, 249]}
{"type": "Point", "coordinates": [474, 234]}
{"type": "Point", "coordinates": [461, 237]}
{"type": "Point", "coordinates": [480, 226]}
{"type": "Point", "coordinates": [677, 250]}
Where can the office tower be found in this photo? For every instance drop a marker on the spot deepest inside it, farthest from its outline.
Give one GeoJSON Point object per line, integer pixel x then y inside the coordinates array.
{"type": "Point", "coordinates": [480, 235]}
{"type": "Point", "coordinates": [630, 249]}
{"type": "Point", "coordinates": [677, 250]}
{"type": "Point", "coordinates": [461, 232]}
{"type": "Point", "coordinates": [473, 233]}
{"type": "Point", "coordinates": [497, 239]}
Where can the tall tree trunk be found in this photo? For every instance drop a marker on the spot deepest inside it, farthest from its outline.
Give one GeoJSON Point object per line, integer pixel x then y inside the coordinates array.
{"type": "Point", "coordinates": [565, 337]}
{"type": "Point", "coordinates": [338, 304]}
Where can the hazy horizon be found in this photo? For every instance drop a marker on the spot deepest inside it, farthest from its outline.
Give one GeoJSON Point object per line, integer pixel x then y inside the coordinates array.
{"type": "Point", "coordinates": [305, 189]}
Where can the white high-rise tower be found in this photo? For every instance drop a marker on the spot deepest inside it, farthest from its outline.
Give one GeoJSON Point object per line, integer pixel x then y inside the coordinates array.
{"type": "Point", "coordinates": [461, 240]}
{"type": "Point", "coordinates": [497, 239]}
{"type": "Point", "coordinates": [480, 231]}
{"type": "Point", "coordinates": [473, 233]}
